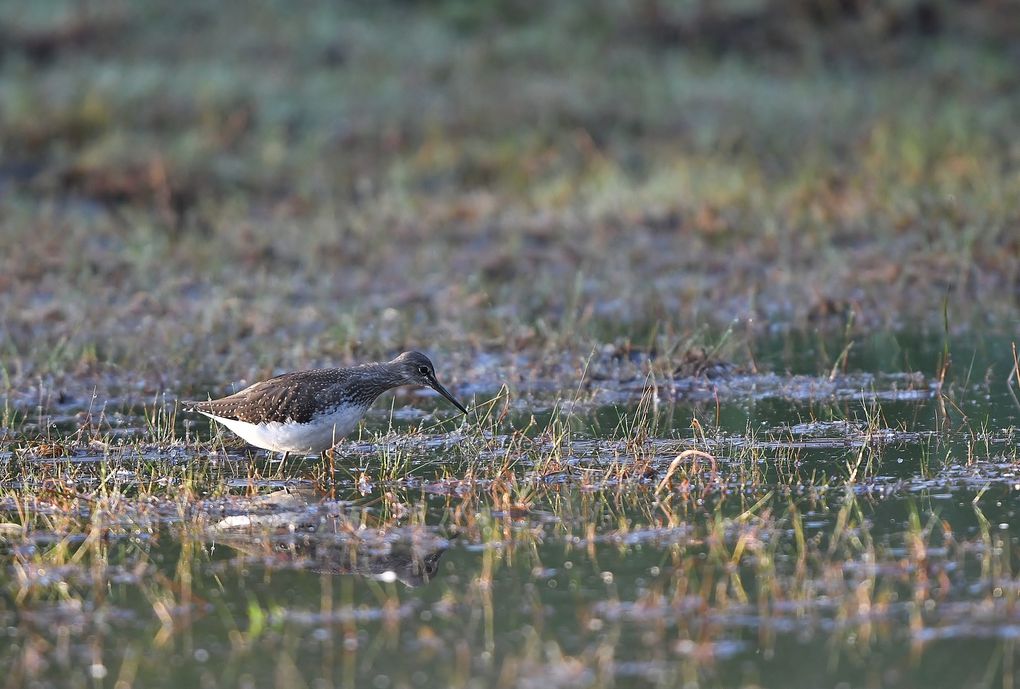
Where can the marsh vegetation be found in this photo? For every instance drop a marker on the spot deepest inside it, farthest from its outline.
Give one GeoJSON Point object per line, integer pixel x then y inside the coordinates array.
{"type": "Point", "coordinates": [732, 290]}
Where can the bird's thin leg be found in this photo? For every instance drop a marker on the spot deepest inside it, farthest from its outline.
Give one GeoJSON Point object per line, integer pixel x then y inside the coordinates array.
{"type": "Point", "coordinates": [331, 455]}
{"type": "Point", "coordinates": [285, 456]}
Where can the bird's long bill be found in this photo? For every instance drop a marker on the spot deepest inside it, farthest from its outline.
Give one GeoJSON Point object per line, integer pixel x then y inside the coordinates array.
{"type": "Point", "coordinates": [446, 393]}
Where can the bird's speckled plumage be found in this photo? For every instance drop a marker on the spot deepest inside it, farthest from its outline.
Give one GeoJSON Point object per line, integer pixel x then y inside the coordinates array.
{"type": "Point", "coordinates": [308, 411]}
{"type": "Point", "coordinates": [299, 396]}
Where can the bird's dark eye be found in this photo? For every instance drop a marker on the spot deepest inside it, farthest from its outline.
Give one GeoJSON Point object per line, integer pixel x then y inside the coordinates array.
{"type": "Point", "coordinates": [423, 370]}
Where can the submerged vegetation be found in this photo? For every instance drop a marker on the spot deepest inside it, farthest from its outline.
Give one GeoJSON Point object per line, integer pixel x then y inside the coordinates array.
{"type": "Point", "coordinates": [733, 289]}
{"type": "Point", "coordinates": [795, 527]}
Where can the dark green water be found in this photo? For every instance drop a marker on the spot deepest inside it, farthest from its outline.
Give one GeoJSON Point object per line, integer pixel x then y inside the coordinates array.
{"type": "Point", "coordinates": [776, 570]}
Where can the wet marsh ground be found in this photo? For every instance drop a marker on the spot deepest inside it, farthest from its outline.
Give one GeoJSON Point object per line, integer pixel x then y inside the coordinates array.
{"type": "Point", "coordinates": [734, 304]}
{"type": "Point", "coordinates": [752, 530]}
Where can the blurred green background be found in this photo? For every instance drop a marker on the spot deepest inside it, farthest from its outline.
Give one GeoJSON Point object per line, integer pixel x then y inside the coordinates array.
{"type": "Point", "coordinates": [279, 182]}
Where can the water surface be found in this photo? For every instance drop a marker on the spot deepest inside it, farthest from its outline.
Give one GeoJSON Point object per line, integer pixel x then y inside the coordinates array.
{"type": "Point", "coordinates": [853, 527]}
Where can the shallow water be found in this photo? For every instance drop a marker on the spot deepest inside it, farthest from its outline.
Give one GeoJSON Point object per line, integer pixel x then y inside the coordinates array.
{"type": "Point", "coordinates": [852, 528]}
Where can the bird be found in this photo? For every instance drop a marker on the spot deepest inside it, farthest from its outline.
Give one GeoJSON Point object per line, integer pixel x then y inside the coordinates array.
{"type": "Point", "coordinates": [309, 412]}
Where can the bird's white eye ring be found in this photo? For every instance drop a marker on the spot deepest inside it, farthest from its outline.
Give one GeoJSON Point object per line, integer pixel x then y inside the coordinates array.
{"type": "Point", "coordinates": [423, 370]}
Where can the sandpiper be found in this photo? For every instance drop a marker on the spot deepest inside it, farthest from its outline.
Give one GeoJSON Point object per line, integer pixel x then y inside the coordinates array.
{"type": "Point", "coordinates": [309, 412]}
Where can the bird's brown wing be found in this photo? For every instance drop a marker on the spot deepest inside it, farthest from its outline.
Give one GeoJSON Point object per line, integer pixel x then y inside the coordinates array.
{"type": "Point", "coordinates": [292, 396]}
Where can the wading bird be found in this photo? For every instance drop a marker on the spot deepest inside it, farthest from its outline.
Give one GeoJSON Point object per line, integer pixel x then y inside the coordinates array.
{"type": "Point", "coordinates": [308, 412]}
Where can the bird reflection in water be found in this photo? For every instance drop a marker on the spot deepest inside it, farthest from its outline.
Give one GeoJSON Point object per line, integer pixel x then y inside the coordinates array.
{"type": "Point", "coordinates": [293, 529]}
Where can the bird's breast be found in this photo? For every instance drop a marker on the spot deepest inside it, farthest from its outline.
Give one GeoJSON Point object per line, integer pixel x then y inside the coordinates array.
{"type": "Point", "coordinates": [319, 433]}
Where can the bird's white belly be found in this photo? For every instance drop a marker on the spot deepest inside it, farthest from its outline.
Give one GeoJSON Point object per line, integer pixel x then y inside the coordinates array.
{"type": "Point", "coordinates": [320, 434]}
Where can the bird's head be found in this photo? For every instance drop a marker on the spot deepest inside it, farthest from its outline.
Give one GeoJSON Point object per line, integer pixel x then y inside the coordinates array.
{"type": "Point", "coordinates": [414, 368]}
